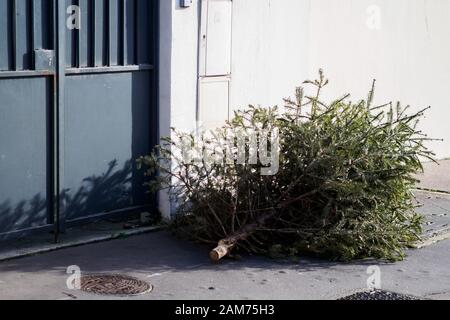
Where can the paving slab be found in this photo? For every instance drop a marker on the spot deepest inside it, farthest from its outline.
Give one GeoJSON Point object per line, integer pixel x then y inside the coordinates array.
{"type": "Point", "coordinates": [436, 176]}
{"type": "Point", "coordinates": [435, 207]}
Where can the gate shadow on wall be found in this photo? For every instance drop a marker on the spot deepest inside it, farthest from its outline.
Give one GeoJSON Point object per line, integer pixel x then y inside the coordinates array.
{"type": "Point", "coordinates": [97, 194]}
{"type": "Point", "coordinates": [101, 193]}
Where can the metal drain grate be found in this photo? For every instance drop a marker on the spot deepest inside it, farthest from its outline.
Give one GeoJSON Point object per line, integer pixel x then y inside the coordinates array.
{"type": "Point", "coordinates": [114, 285]}
{"type": "Point", "coordinates": [379, 295]}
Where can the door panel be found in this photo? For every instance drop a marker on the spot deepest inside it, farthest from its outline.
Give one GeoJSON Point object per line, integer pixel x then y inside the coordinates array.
{"type": "Point", "coordinates": [106, 129]}
{"type": "Point", "coordinates": [25, 104]}
{"type": "Point", "coordinates": [23, 153]}
{"type": "Point", "coordinates": [107, 111]}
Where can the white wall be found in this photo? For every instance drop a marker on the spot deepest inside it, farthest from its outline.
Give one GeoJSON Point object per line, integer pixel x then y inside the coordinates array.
{"type": "Point", "coordinates": [177, 74]}
{"type": "Point", "coordinates": [409, 55]}
{"type": "Point", "coordinates": [178, 65]}
{"type": "Point", "coordinates": [269, 57]}
{"type": "Point", "coordinates": [279, 43]}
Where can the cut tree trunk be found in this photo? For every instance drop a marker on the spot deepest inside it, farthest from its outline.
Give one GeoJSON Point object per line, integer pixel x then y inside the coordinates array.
{"type": "Point", "coordinates": [225, 246]}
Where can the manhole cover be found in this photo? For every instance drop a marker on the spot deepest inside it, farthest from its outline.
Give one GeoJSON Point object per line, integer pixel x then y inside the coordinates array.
{"type": "Point", "coordinates": [379, 295]}
{"type": "Point", "coordinates": [114, 285]}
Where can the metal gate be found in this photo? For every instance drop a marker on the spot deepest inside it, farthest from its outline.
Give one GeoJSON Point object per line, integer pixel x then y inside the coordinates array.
{"type": "Point", "coordinates": [77, 107]}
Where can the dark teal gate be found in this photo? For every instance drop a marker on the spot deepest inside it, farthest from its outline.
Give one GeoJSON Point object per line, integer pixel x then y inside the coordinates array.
{"type": "Point", "coordinates": [77, 107]}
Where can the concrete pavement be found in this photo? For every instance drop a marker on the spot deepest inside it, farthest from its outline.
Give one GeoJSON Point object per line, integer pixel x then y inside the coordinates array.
{"type": "Point", "coordinates": [436, 176]}
{"type": "Point", "coordinates": [181, 270]}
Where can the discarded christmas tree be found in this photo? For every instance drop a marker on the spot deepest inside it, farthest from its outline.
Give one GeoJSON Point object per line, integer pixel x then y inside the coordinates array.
{"type": "Point", "coordinates": [342, 188]}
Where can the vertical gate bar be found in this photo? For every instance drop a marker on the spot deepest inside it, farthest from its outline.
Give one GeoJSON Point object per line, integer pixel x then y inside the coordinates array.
{"type": "Point", "coordinates": [76, 51]}
{"type": "Point", "coordinates": [135, 35]}
{"type": "Point", "coordinates": [114, 27]}
{"type": "Point", "coordinates": [4, 34]}
{"type": "Point", "coordinates": [122, 31]}
{"type": "Point", "coordinates": [38, 20]}
{"type": "Point", "coordinates": [69, 42]}
{"type": "Point", "coordinates": [92, 19]}
{"type": "Point", "coordinates": [91, 33]}
{"type": "Point", "coordinates": [58, 118]}
{"type": "Point", "coordinates": [83, 47]}
{"type": "Point", "coordinates": [107, 32]}
{"type": "Point", "coordinates": [36, 37]}
{"type": "Point", "coordinates": [13, 35]}
{"type": "Point", "coordinates": [129, 32]}
{"type": "Point", "coordinates": [36, 34]}
{"type": "Point", "coordinates": [70, 38]}
{"type": "Point", "coordinates": [99, 33]}
{"type": "Point", "coordinates": [22, 16]}
{"type": "Point", "coordinates": [135, 32]}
